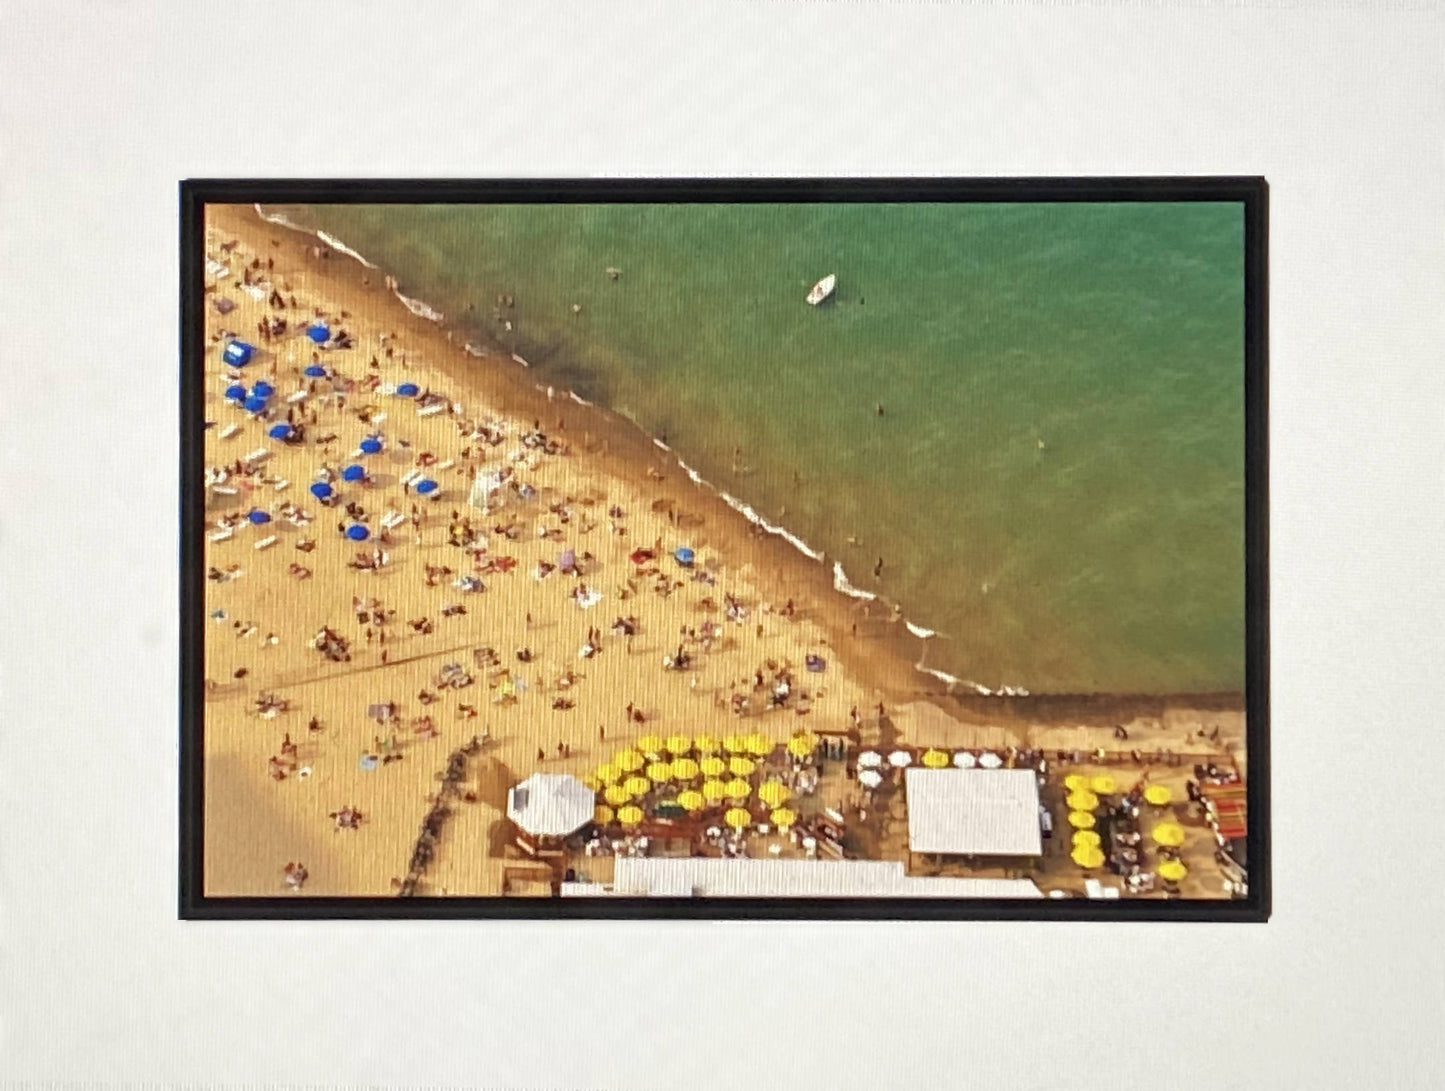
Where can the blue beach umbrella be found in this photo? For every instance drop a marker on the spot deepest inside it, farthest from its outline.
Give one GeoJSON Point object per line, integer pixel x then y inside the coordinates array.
{"type": "Point", "coordinates": [238, 353]}
{"type": "Point", "coordinates": [254, 404]}
{"type": "Point", "coordinates": [318, 332]}
{"type": "Point", "coordinates": [426, 485]}
{"type": "Point", "coordinates": [321, 490]}
{"type": "Point", "coordinates": [236, 392]}
{"type": "Point", "coordinates": [684, 556]}
{"type": "Point", "coordinates": [371, 445]}
{"type": "Point", "coordinates": [353, 473]}
{"type": "Point", "coordinates": [315, 371]}
{"type": "Point", "coordinates": [281, 431]}
{"type": "Point", "coordinates": [257, 516]}
{"type": "Point", "coordinates": [408, 390]}
{"type": "Point", "coordinates": [263, 389]}
{"type": "Point", "coordinates": [357, 533]}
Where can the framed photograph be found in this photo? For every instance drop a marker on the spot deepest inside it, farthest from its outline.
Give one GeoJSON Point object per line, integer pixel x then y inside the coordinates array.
{"type": "Point", "coordinates": [885, 548]}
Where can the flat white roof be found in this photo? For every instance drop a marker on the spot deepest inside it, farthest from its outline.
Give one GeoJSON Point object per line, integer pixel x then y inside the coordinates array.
{"type": "Point", "coordinates": [975, 812]}
{"type": "Point", "coordinates": [742, 877]}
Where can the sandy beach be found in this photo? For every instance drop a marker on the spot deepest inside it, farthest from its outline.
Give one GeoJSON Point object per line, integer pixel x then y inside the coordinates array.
{"type": "Point", "coordinates": [543, 602]}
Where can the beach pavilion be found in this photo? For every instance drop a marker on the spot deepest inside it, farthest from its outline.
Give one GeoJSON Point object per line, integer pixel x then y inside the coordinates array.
{"type": "Point", "coordinates": [547, 807]}
{"type": "Point", "coordinates": [975, 812]}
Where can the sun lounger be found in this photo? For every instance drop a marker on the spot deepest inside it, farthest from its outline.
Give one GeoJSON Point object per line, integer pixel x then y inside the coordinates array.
{"type": "Point", "coordinates": [221, 535]}
{"type": "Point", "coordinates": [430, 411]}
{"type": "Point", "coordinates": [229, 431]}
{"type": "Point", "coordinates": [412, 477]}
{"type": "Point", "coordinates": [280, 484]}
{"type": "Point", "coordinates": [299, 396]}
{"type": "Point", "coordinates": [267, 542]}
{"type": "Point", "coordinates": [392, 519]}
{"type": "Point", "coordinates": [224, 490]}
{"type": "Point", "coordinates": [260, 454]}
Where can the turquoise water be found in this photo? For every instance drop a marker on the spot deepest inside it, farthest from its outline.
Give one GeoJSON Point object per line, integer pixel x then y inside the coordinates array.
{"type": "Point", "coordinates": [1056, 482]}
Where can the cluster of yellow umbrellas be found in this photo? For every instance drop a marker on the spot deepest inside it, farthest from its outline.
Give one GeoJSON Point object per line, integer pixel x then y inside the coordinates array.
{"type": "Point", "coordinates": [739, 817]}
{"type": "Point", "coordinates": [653, 760]}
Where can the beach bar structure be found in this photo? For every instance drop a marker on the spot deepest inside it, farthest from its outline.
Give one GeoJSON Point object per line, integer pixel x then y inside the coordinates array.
{"type": "Point", "coordinates": [744, 877]}
{"type": "Point", "coordinates": [547, 807]}
{"type": "Point", "coordinates": [974, 812]}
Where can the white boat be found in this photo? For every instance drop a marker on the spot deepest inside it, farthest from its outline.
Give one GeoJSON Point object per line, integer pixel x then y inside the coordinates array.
{"type": "Point", "coordinates": [823, 289]}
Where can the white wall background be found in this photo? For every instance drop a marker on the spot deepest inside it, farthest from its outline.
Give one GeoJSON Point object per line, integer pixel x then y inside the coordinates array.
{"type": "Point", "coordinates": [103, 107]}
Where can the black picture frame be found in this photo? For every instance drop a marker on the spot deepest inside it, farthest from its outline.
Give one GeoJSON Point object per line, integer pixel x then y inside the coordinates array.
{"type": "Point", "coordinates": [195, 194]}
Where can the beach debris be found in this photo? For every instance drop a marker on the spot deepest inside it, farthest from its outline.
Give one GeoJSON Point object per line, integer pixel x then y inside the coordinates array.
{"type": "Point", "coordinates": [612, 272]}
{"type": "Point", "coordinates": [296, 875]}
{"type": "Point", "coordinates": [815, 663]}
{"type": "Point", "coordinates": [223, 304]}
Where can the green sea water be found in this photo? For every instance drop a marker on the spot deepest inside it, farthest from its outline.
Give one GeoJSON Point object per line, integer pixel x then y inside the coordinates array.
{"type": "Point", "coordinates": [1056, 482]}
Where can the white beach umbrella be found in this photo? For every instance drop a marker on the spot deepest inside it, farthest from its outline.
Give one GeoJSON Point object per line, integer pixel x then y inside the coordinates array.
{"type": "Point", "coordinates": [964, 760]}
{"type": "Point", "coordinates": [870, 759]}
{"type": "Point", "coordinates": [551, 804]}
{"type": "Point", "coordinates": [989, 760]}
{"type": "Point", "coordinates": [870, 778]}
{"type": "Point", "coordinates": [900, 759]}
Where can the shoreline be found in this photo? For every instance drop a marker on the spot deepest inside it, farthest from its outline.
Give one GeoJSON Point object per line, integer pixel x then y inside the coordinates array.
{"type": "Point", "coordinates": [894, 660]}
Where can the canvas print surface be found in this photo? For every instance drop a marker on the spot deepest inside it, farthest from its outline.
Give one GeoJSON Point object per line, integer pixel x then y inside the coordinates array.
{"type": "Point", "coordinates": [576, 550]}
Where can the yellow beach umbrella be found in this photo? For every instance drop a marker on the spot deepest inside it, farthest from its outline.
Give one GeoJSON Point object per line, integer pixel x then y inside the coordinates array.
{"type": "Point", "coordinates": [1081, 820]}
{"type": "Point", "coordinates": [608, 773]}
{"type": "Point", "coordinates": [1103, 785]}
{"type": "Point", "coordinates": [638, 786]}
{"type": "Point", "coordinates": [739, 788]}
{"type": "Point", "coordinates": [1158, 794]}
{"type": "Point", "coordinates": [705, 744]}
{"type": "Point", "coordinates": [736, 744]}
{"type": "Point", "coordinates": [713, 766]}
{"type": "Point", "coordinates": [690, 800]}
{"type": "Point", "coordinates": [714, 789]}
{"type": "Point", "coordinates": [737, 818]}
{"type": "Point", "coordinates": [1169, 833]}
{"type": "Point", "coordinates": [1088, 856]}
{"type": "Point", "coordinates": [684, 769]}
{"type": "Point", "coordinates": [629, 761]}
{"type": "Point", "coordinates": [1172, 871]}
{"type": "Point", "coordinates": [783, 817]}
{"type": "Point", "coordinates": [1083, 800]}
{"type": "Point", "coordinates": [742, 767]}
{"type": "Point", "coordinates": [1086, 837]}
{"type": "Point", "coordinates": [774, 793]}
{"type": "Point", "coordinates": [630, 816]}
{"type": "Point", "coordinates": [659, 772]}
{"type": "Point", "coordinates": [802, 744]}
{"type": "Point", "coordinates": [649, 744]}
{"type": "Point", "coordinates": [616, 795]}
{"type": "Point", "coordinates": [678, 745]}
{"type": "Point", "coordinates": [760, 745]}
{"type": "Point", "coordinates": [1076, 782]}
{"type": "Point", "coordinates": [936, 759]}
{"type": "Point", "coordinates": [602, 814]}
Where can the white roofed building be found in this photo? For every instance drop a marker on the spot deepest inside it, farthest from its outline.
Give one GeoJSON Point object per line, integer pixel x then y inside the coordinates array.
{"type": "Point", "coordinates": [974, 812]}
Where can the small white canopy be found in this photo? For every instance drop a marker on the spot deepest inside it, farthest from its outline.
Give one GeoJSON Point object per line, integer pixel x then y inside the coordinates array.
{"type": "Point", "coordinates": [550, 804]}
